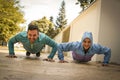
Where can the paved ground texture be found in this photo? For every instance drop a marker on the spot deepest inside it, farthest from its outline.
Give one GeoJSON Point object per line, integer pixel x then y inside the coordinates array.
{"type": "Point", "coordinates": [32, 68]}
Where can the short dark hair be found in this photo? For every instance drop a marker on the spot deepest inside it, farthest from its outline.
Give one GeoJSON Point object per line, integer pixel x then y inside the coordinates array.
{"type": "Point", "coordinates": [33, 27]}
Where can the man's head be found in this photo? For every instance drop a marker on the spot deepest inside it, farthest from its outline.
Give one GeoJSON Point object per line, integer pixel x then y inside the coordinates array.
{"type": "Point", "coordinates": [32, 33]}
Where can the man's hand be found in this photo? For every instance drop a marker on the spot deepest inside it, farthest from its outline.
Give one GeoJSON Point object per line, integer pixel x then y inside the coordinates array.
{"type": "Point", "coordinates": [49, 59]}
{"type": "Point", "coordinates": [11, 56]}
{"type": "Point", "coordinates": [63, 61]}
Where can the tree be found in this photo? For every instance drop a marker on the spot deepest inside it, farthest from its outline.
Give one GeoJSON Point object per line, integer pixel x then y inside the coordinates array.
{"type": "Point", "coordinates": [11, 17]}
{"type": "Point", "coordinates": [84, 3]}
{"type": "Point", "coordinates": [51, 18]}
{"type": "Point", "coordinates": [61, 22]}
{"type": "Point", "coordinates": [45, 26]}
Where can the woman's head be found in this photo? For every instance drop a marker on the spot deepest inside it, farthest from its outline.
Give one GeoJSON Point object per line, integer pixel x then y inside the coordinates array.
{"type": "Point", "coordinates": [87, 40]}
{"type": "Point", "coordinates": [86, 43]}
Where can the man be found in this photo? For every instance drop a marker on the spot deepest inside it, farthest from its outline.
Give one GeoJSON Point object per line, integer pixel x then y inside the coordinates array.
{"type": "Point", "coordinates": [33, 42]}
{"type": "Point", "coordinates": [84, 50]}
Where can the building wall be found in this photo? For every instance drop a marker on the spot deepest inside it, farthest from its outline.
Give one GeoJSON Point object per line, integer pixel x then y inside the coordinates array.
{"type": "Point", "coordinates": [58, 38]}
{"type": "Point", "coordinates": [109, 28]}
{"type": "Point", "coordinates": [86, 21]}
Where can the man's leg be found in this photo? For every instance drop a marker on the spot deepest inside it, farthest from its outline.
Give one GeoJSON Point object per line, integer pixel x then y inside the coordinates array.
{"type": "Point", "coordinates": [27, 53]}
{"type": "Point", "coordinates": [38, 54]}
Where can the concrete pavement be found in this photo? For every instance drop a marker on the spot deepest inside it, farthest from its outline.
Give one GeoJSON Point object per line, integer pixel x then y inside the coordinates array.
{"type": "Point", "coordinates": [23, 68]}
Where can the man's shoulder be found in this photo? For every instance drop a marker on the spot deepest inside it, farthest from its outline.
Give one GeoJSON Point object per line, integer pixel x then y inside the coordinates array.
{"type": "Point", "coordinates": [41, 36]}
{"type": "Point", "coordinates": [23, 33]}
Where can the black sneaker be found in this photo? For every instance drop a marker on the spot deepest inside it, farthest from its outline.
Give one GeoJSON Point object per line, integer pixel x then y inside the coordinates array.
{"type": "Point", "coordinates": [27, 54]}
{"type": "Point", "coordinates": [38, 54]}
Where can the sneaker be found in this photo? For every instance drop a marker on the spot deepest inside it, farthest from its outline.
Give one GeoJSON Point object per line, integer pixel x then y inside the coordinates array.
{"type": "Point", "coordinates": [27, 54]}
{"type": "Point", "coordinates": [38, 54]}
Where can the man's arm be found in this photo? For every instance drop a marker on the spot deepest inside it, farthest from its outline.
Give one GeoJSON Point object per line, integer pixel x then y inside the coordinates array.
{"type": "Point", "coordinates": [52, 44]}
{"type": "Point", "coordinates": [11, 43]}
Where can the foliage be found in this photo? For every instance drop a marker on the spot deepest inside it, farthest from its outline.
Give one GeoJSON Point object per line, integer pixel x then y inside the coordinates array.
{"type": "Point", "coordinates": [10, 18]}
{"type": "Point", "coordinates": [84, 3]}
{"type": "Point", "coordinates": [45, 26]}
{"type": "Point", "coordinates": [48, 27]}
{"type": "Point", "coordinates": [61, 22]}
{"type": "Point", "coordinates": [51, 18]}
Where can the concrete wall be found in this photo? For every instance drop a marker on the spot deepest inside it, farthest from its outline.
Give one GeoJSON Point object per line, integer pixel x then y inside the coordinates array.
{"type": "Point", "coordinates": [86, 21]}
{"type": "Point", "coordinates": [110, 28]}
{"type": "Point", "coordinates": [58, 38]}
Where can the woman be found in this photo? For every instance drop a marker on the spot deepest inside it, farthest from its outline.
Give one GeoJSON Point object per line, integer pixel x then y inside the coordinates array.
{"type": "Point", "coordinates": [84, 50]}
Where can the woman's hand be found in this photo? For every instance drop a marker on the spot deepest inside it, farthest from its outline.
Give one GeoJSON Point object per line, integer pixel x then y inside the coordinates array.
{"type": "Point", "coordinates": [104, 64]}
{"type": "Point", "coordinates": [49, 60]}
{"type": "Point", "coordinates": [63, 61]}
